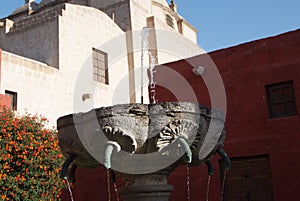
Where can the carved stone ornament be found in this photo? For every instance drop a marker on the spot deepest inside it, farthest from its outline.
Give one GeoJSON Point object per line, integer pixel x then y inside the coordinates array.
{"type": "Point", "coordinates": [142, 129]}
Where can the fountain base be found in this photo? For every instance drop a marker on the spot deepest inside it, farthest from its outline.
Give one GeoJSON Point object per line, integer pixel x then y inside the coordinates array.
{"type": "Point", "coordinates": [146, 193]}
{"type": "Point", "coordinates": [149, 187]}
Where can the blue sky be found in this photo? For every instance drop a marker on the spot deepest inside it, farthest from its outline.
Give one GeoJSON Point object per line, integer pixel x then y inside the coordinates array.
{"type": "Point", "coordinates": [227, 23]}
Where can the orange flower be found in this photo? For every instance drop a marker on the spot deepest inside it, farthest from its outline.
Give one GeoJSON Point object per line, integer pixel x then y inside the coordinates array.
{"type": "Point", "coordinates": [26, 144]}
{"type": "Point", "coordinates": [6, 166]}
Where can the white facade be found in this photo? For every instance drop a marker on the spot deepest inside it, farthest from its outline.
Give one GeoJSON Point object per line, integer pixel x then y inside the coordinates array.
{"type": "Point", "coordinates": [47, 54]}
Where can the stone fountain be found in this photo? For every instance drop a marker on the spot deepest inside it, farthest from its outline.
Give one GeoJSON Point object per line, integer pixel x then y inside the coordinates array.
{"type": "Point", "coordinates": [143, 143]}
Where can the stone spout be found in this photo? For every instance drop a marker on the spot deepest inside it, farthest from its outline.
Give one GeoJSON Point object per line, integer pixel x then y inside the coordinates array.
{"type": "Point", "coordinates": [210, 167]}
{"type": "Point", "coordinates": [187, 149]}
{"type": "Point", "coordinates": [108, 152]}
{"type": "Point", "coordinates": [227, 162]}
{"type": "Point", "coordinates": [64, 171]}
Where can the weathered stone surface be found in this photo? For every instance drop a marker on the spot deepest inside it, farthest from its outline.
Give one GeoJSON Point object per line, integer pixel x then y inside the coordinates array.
{"type": "Point", "coordinates": [155, 133]}
{"type": "Point", "coordinates": [149, 187]}
{"type": "Point", "coordinates": [146, 193]}
{"type": "Point", "coordinates": [142, 129]}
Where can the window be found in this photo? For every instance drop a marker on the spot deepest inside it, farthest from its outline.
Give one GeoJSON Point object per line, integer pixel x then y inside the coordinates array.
{"type": "Point", "coordinates": [169, 20]}
{"type": "Point", "coordinates": [248, 179]}
{"type": "Point", "coordinates": [281, 99]}
{"type": "Point", "coordinates": [13, 98]}
{"type": "Point", "coordinates": [100, 69]}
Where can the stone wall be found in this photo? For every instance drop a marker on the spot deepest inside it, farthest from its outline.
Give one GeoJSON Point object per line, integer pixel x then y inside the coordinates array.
{"type": "Point", "coordinates": [132, 14]}
{"type": "Point", "coordinates": [77, 39]}
{"type": "Point", "coordinates": [118, 10]}
{"type": "Point", "coordinates": [180, 25]}
{"type": "Point", "coordinates": [35, 83]}
{"type": "Point", "coordinates": [35, 37]}
{"type": "Point", "coordinates": [80, 2]}
{"type": "Point", "coordinates": [47, 58]}
{"type": "Point", "coordinates": [140, 11]}
{"type": "Point", "coordinates": [188, 31]}
{"type": "Point", "coordinates": [54, 92]}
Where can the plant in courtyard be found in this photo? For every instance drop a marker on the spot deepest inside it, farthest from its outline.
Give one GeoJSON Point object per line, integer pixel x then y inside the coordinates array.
{"type": "Point", "coordinates": [30, 158]}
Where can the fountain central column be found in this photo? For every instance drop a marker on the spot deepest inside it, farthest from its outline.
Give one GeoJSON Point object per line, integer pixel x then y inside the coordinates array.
{"type": "Point", "coordinates": [147, 187]}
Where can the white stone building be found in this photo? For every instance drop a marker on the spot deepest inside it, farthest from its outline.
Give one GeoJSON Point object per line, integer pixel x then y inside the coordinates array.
{"type": "Point", "coordinates": [61, 56]}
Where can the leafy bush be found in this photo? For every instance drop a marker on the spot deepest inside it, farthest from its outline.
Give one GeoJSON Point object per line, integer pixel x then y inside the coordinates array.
{"type": "Point", "coordinates": [30, 159]}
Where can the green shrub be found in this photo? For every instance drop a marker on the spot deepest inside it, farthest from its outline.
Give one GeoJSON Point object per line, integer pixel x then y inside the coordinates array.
{"type": "Point", "coordinates": [30, 159]}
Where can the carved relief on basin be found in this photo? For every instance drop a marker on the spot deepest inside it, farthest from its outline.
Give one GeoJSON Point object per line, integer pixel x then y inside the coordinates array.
{"type": "Point", "coordinates": [151, 137]}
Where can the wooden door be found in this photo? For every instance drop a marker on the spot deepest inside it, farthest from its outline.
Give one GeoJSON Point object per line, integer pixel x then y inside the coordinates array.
{"type": "Point", "coordinates": [249, 179]}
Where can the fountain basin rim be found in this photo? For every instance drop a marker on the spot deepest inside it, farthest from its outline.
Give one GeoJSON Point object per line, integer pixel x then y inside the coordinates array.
{"type": "Point", "coordinates": [90, 115]}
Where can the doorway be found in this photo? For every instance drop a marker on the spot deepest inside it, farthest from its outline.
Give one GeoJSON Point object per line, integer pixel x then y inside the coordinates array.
{"type": "Point", "coordinates": [249, 179]}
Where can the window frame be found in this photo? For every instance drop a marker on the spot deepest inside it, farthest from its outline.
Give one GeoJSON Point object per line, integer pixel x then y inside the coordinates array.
{"type": "Point", "coordinates": [98, 74]}
{"type": "Point", "coordinates": [14, 99]}
{"type": "Point", "coordinates": [273, 113]}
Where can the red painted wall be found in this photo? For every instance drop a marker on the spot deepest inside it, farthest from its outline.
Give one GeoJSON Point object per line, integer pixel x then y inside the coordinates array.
{"type": "Point", "coordinates": [90, 185]}
{"type": "Point", "coordinates": [4, 101]}
{"type": "Point", "coordinates": [245, 70]}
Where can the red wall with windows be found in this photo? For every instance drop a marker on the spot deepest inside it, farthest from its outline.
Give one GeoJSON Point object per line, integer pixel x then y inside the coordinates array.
{"type": "Point", "coordinates": [245, 70]}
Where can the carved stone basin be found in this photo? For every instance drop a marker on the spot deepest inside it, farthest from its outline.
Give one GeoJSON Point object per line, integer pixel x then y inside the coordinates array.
{"type": "Point", "coordinates": [153, 138]}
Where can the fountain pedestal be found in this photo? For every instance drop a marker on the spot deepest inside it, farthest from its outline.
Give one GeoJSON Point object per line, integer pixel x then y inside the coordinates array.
{"type": "Point", "coordinates": [150, 187]}
{"type": "Point", "coordinates": [146, 193]}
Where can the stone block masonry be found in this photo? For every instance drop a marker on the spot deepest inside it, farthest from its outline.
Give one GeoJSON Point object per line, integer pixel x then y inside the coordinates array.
{"type": "Point", "coordinates": [38, 19]}
{"type": "Point", "coordinates": [35, 36]}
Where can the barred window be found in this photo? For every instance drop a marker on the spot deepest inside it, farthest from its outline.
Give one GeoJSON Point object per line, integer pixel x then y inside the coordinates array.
{"type": "Point", "coordinates": [281, 99]}
{"type": "Point", "coordinates": [100, 66]}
